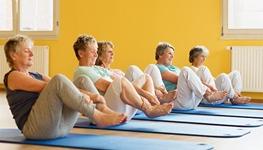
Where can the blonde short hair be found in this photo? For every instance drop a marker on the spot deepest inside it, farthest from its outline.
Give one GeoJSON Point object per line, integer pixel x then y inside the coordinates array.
{"type": "Point", "coordinates": [82, 42]}
{"type": "Point", "coordinates": [12, 46]}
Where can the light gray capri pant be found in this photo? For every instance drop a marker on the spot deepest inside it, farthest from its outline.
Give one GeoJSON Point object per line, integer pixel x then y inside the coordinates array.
{"type": "Point", "coordinates": [56, 110]}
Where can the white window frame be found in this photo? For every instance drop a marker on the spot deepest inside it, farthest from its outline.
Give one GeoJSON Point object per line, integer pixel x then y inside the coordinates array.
{"type": "Point", "coordinates": [255, 34]}
{"type": "Point", "coordinates": [4, 34]}
{"type": "Point", "coordinates": [32, 34]}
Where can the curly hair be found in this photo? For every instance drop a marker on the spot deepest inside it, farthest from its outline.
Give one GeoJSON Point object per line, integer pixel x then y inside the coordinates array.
{"type": "Point", "coordinates": [82, 42]}
{"type": "Point", "coordinates": [160, 49]}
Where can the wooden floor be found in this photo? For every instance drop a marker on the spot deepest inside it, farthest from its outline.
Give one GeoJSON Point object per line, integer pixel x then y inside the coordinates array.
{"type": "Point", "coordinates": [252, 141]}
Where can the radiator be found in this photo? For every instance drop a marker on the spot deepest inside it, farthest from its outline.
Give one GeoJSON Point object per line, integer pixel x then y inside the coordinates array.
{"type": "Point", "coordinates": [249, 61]}
{"type": "Point", "coordinates": [40, 61]}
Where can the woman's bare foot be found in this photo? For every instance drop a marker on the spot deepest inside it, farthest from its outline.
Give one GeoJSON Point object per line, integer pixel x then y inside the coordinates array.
{"type": "Point", "coordinates": [151, 98]}
{"type": "Point", "coordinates": [168, 97]}
{"type": "Point", "coordinates": [159, 93]}
{"type": "Point", "coordinates": [156, 110]}
{"type": "Point", "coordinates": [103, 120]}
{"type": "Point", "coordinates": [162, 89]}
{"type": "Point", "coordinates": [215, 96]}
{"type": "Point", "coordinates": [240, 100]}
{"type": "Point", "coordinates": [105, 109]}
{"type": "Point", "coordinates": [238, 94]}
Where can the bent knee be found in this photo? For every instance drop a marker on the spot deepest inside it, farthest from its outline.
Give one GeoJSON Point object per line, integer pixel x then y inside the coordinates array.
{"type": "Point", "coordinates": [123, 80]}
{"type": "Point", "coordinates": [133, 67]}
{"type": "Point", "coordinates": [59, 76]}
{"type": "Point", "coordinates": [235, 73]}
{"type": "Point", "coordinates": [152, 66]}
{"type": "Point", "coordinates": [223, 75]}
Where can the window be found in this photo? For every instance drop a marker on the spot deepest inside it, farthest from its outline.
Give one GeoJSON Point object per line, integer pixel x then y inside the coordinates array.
{"type": "Point", "coordinates": [6, 15]}
{"type": "Point", "coordinates": [242, 19]}
{"type": "Point", "coordinates": [35, 18]}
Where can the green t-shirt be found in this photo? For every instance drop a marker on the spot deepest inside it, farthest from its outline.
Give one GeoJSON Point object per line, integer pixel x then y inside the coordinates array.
{"type": "Point", "coordinates": [169, 85]}
{"type": "Point", "coordinates": [93, 72]}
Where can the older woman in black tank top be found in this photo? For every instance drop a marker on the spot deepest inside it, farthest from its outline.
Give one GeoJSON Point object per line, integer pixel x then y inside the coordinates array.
{"type": "Point", "coordinates": [45, 108]}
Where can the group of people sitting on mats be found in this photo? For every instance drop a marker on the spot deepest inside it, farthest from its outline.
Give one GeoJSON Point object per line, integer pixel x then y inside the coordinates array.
{"type": "Point", "coordinates": [46, 108]}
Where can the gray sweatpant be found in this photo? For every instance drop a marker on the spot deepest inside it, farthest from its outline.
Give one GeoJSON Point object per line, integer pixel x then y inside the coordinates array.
{"type": "Point", "coordinates": [56, 110]}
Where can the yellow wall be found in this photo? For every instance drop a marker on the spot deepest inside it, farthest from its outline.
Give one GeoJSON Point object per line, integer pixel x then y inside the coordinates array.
{"type": "Point", "coordinates": [136, 26]}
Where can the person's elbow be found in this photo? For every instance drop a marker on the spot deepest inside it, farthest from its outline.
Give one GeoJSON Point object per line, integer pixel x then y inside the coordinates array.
{"type": "Point", "coordinates": [170, 77]}
{"type": "Point", "coordinates": [39, 88]}
{"type": "Point", "coordinates": [102, 85]}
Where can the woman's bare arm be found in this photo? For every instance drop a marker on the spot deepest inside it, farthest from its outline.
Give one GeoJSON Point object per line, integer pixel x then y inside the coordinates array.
{"type": "Point", "coordinates": [96, 98]}
{"type": "Point", "coordinates": [170, 76]}
{"type": "Point", "coordinates": [20, 81]}
{"type": "Point", "coordinates": [46, 78]}
{"type": "Point", "coordinates": [102, 84]}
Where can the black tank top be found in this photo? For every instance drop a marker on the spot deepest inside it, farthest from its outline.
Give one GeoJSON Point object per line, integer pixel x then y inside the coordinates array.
{"type": "Point", "coordinates": [21, 102]}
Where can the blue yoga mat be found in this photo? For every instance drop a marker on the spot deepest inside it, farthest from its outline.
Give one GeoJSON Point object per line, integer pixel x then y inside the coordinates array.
{"type": "Point", "coordinates": [243, 113]}
{"type": "Point", "coordinates": [91, 141]}
{"type": "Point", "coordinates": [238, 106]}
{"type": "Point", "coordinates": [171, 128]}
{"type": "Point", "coordinates": [202, 119]}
